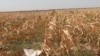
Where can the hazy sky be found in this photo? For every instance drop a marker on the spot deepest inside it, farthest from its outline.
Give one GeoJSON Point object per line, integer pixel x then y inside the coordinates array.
{"type": "Point", "coordinates": [13, 5]}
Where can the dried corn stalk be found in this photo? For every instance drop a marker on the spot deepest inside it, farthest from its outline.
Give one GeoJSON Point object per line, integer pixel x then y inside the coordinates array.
{"type": "Point", "coordinates": [66, 40]}
{"type": "Point", "coordinates": [49, 42]}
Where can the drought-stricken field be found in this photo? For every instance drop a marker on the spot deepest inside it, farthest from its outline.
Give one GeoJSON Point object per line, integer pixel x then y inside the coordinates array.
{"type": "Point", "coordinates": [70, 32]}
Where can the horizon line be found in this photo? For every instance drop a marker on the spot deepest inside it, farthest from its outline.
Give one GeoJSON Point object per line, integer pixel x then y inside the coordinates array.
{"type": "Point", "coordinates": [49, 9]}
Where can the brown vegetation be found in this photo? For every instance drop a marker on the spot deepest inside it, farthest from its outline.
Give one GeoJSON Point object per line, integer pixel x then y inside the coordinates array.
{"type": "Point", "coordinates": [71, 32]}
